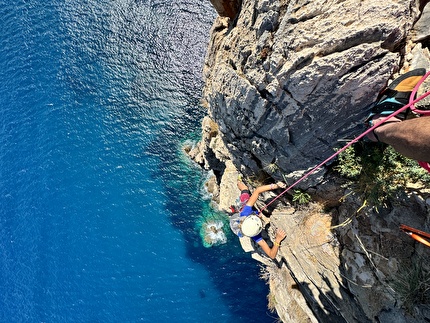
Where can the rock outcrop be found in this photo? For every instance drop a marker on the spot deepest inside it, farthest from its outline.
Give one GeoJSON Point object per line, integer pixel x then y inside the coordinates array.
{"type": "Point", "coordinates": [284, 82]}
{"type": "Point", "coordinates": [227, 8]}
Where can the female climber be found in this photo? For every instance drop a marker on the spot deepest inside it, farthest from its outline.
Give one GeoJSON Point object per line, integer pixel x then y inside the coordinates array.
{"type": "Point", "coordinates": [248, 223]}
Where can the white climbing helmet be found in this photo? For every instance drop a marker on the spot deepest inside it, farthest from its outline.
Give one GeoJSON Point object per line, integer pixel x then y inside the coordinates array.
{"type": "Point", "coordinates": [251, 226]}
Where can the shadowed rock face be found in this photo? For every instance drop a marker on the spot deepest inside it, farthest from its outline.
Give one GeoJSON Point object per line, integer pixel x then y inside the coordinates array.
{"type": "Point", "coordinates": [227, 8]}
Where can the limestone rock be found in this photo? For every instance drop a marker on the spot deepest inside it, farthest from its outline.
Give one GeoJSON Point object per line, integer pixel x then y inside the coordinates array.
{"type": "Point", "coordinates": [341, 265]}
{"type": "Point", "coordinates": [421, 30]}
{"type": "Point", "coordinates": [289, 79]}
{"type": "Point", "coordinates": [228, 191]}
{"type": "Point", "coordinates": [210, 152]}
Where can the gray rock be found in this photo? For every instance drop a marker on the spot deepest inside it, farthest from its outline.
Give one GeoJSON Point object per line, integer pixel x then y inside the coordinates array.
{"type": "Point", "coordinates": [290, 80]}
{"type": "Point", "coordinates": [421, 31]}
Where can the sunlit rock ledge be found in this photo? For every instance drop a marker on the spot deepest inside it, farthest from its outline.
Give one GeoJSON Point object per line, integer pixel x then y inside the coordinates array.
{"type": "Point", "coordinates": [284, 81]}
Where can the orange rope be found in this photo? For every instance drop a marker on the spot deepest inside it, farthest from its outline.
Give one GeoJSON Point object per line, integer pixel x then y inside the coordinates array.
{"type": "Point", "coordinates": [420, 239]}
{"type": "Point", "coordinates": [416, 234]}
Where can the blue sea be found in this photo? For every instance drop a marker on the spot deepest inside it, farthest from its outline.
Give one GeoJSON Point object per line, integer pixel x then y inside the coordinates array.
{"type": "Point", "coordinates": [100, 211]}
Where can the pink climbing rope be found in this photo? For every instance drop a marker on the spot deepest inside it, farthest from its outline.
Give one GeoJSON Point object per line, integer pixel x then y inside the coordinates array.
{"type": "Point", "coordinates": [411, 103]}
{"type": "Point", "coordinates": [414, 91]}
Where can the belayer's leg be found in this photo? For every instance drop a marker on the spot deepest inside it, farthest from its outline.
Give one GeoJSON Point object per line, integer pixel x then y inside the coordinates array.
{"type": "Point", "coordinates": [410, 137]}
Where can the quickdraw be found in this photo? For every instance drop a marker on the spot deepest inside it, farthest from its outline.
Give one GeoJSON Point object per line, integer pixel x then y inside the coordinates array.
{"type": "Point", "coordinates": [418, 235]}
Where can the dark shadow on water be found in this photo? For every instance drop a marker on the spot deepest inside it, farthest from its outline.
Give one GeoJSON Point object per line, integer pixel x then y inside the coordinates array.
{"type": "Point", "coordinates": [232, 271]}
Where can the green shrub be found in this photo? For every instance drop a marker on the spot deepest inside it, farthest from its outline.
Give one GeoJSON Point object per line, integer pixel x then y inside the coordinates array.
{"type": "Point", "coordinates": [301, 197]}
{"type": "Point", "coordinates": [378, 172]}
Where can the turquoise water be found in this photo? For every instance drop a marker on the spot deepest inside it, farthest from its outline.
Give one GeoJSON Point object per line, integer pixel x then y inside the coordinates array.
{"type": "Point", "coordinates": [99, 209]}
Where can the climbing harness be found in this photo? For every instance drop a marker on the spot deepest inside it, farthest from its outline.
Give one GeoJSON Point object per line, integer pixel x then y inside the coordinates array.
{"type": "Point", "coordinates": [409, 105]}
{"type": "Point", "coordinates": [416, 234]}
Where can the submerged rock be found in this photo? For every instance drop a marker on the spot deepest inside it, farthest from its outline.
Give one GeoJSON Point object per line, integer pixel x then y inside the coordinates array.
{"type": "Point", "coordinates": [213, 233]}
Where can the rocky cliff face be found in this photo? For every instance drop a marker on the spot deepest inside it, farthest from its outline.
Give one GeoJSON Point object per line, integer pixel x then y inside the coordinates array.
{"type": "Point", "coordinates": [285, 81]}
